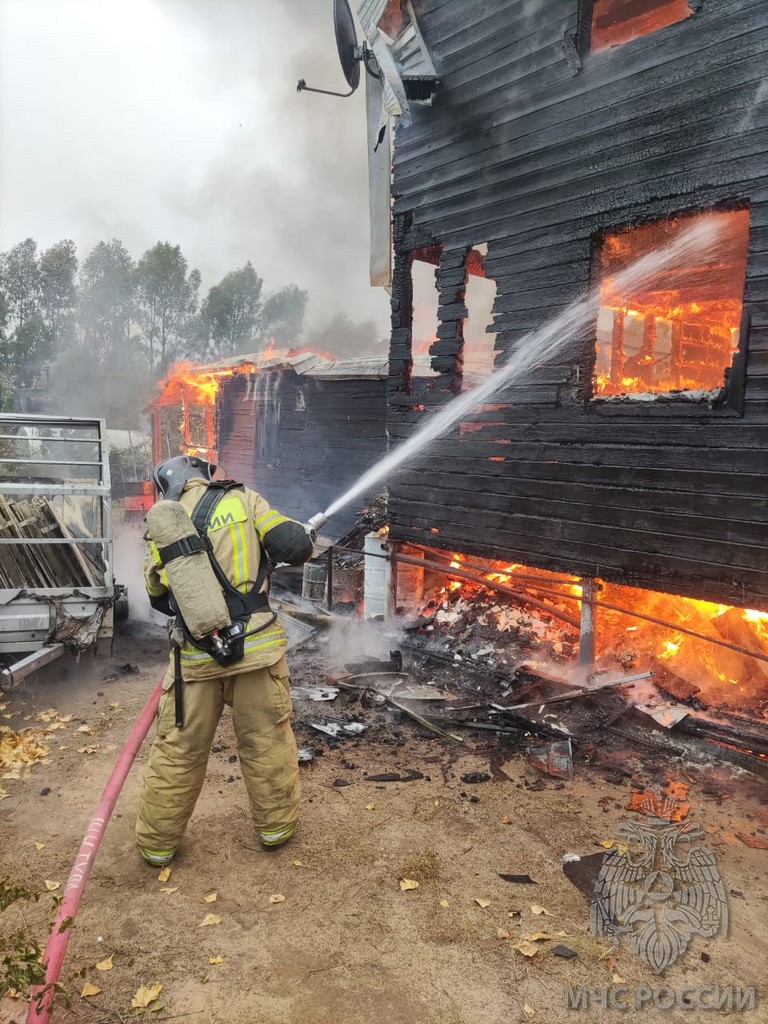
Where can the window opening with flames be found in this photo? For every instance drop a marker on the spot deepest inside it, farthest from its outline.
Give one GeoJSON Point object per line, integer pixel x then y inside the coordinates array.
{"type": "Point", "coordinates": [682, 331]}
{"type": "Point", "coordinates": [620, 21]}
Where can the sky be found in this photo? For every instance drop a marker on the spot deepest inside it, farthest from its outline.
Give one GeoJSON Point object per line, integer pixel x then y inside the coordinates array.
{"type": "Point", "coordinates": [179, 121]}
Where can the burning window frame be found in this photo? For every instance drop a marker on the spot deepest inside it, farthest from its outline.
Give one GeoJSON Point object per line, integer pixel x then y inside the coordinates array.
{"type": "Point", "coordinates": [729, 392]}
{"type": "Point", "coordinates": [648, 17]}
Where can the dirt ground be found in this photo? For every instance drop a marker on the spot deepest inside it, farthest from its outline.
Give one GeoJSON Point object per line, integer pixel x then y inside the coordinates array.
{"type": "Point", "coordinates": [346, 944]}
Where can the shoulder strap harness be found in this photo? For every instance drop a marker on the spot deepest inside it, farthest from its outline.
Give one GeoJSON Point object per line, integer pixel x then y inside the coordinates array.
{"type": "Point", "coordinates": [240, 606]}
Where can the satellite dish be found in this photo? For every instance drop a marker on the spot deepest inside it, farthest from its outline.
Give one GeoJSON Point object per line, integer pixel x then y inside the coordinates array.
{"type": "Point", "coordinates": [346, 42]}
{"type": "Point", "coordinates": [350, 54]}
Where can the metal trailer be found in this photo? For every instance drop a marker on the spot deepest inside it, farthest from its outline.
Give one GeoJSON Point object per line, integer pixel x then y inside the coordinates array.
{"type": "Point", "coordinates": [57, 588]}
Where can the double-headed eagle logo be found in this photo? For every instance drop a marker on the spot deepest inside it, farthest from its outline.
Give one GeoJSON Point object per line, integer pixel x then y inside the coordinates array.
{"type": "Point", "coordinates": [659, 888]}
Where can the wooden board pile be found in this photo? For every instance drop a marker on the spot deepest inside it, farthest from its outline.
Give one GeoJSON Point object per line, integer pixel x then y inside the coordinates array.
{"type": "Point", "coordinates": [39, 565]}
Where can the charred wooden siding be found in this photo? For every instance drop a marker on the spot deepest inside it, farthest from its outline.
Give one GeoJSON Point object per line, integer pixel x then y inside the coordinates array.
{"type": "Point", "coordinates": [533, 150]}
{"type": "Point", "coordinates": [299, 440]}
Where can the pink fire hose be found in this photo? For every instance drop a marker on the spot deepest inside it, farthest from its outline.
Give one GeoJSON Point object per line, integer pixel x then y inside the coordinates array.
{"type": "Point", "coordinates": [43, 995]}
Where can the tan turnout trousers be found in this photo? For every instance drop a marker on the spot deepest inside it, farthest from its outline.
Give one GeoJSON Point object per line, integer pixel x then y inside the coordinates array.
{"type": "Point", "coordinates": [261, 708]}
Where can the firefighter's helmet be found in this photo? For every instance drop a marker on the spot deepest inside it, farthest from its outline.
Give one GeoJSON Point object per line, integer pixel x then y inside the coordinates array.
{"type": "Point", "coordinates": [171, 475]}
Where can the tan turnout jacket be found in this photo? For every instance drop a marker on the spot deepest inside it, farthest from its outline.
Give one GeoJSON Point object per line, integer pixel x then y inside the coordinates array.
{"type": "Point", "coordinates": [240, 523]}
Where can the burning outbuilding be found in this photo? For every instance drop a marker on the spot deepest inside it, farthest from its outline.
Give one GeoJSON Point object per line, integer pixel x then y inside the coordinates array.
{"type": "Point", "coordinates": [295, 425]}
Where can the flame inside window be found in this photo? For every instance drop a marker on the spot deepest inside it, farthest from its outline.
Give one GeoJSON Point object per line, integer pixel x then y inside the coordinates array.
{"type": "Point", "coordinates": [680, 332]}
{"type": "Point", "coordinates": [619, 21]}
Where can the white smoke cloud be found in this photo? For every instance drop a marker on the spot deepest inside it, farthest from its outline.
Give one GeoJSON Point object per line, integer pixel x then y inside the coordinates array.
{"type": "Point", "coordinates": [178, 120]}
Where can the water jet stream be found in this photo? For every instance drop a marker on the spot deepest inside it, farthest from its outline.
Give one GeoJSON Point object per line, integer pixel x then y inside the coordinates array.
{"type": "Point", "coordinates": [534, 348]}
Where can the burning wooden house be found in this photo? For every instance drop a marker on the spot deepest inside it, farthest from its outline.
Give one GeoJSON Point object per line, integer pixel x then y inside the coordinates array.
{"type": "Point", "coordinates": [549, 146]}
{"type": "Point", "coordinates": [296, 426]}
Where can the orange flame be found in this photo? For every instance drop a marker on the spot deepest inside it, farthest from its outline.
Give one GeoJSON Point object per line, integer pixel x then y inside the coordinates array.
{"type": "Point", "coordinates": [681, 663]}
{"type": "Point", "coordinates": [675, 334]}
{"type": "Point", "coordinates": [188, 383]}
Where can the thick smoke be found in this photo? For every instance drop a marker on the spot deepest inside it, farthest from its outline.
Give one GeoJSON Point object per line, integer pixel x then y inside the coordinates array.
{"type": "Point", "coordinates": [178, 120]}
{"type": "Point", "coordinates": [294, 200]}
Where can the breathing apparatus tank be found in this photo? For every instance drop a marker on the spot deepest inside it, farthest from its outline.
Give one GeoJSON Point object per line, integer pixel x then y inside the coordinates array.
{"type": "Point", "coordinates": [196, 590]}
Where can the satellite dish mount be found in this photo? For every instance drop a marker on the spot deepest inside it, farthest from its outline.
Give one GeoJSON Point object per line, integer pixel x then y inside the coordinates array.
{"type": "Point", "coordinates": [351, 56]}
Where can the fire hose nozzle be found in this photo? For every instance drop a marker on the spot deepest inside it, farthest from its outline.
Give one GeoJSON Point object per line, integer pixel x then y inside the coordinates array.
{"type": "Point", "coordinates": [317, 521]}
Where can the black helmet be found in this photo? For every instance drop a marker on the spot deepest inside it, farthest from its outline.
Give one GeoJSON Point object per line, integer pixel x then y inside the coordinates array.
{"type": "Point", "coordinates": [171, 475]}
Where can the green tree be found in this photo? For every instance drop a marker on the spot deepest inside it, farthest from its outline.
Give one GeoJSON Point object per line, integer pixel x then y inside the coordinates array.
{"type": "Point", "coordinates": [29, 348]}
{"type": "Point", "coordinates": [229, 318]}
{"type": "Point", "coordinates": [58, 271]}
{"type": "Point", "coordinates": [20, 269]}
{"type": "Point", "coordinates": [282, 316]}
{"type": "Point", "coordinates": [26, 340]}
{"type": "Point", "coordinates": [167, 297]}
{"type": "Point", "coordinates": [3, 321]}
{"type": "Point", "coordinates": [106, 299]}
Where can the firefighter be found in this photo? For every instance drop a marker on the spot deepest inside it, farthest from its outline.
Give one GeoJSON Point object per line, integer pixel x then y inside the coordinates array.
{"type": "Point", "coordinates": [245, 534]}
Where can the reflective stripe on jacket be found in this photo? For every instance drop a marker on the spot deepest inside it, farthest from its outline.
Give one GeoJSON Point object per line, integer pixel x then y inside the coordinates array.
{"type": "Point", "coordinates": [240, 524]}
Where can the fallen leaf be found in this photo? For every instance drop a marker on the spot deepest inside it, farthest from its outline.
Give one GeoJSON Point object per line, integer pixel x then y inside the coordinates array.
{"type": "Point", "coordinates": [526, 948]}
{"type": "Point", "coordinates": [502, 933]}
{"type": "Point", "coordinates": [146, 995]}
{"type": "Point", "coordinates": [444, 903]}
{"type": "Point", "coordinates": [563, 935]}
{"type": "Point", "coordinates": [105, 965]}
{"type": "Point", "coordinates": [19, 749]}
{"type": "Point", "coordinates": [85, 728]}
{"type": "Point", "coordinates": [54, 726]}
{"type": "Point", "coordinates": [277, 897]}
{"type": "Point", "coordinates": [506, 821]}
{"type": "Point", "coordinates": [528, 1009]}
{"type": "Point", "coordinates": [617, 979]}
{"type": "Point", "coordinates": [211, 897]}
{"type": "Point", "coordinates": [66, 718]}
{"type": "Point", "coordinates": [406, 884]}
{"type": "Point", "coordinates": [39, 846]}
{"type": "Point", "coordinates": [169, 889]}
{"type": "Point", "coordinates": [52, 886]}
{"type": "Point", "coordinates": [89, 990]}
{"type": "Point", "coordinates": [370, 807]}
{"type": "Point", "coordinates": [298, 864]}
{"type": "Point", "coordinates": [87, 750]}
{"type": "Point", "coordinates": [215, 959]}
{"type": "Point", "coordinates": [537, 909]}
{"type": "Point", "coordinates": [482, 903]}
{"type": "Point", "coordinates": [48, 716]}
{"type": "Point", "coordinates": [115, 705]}
{"type": "Point", "coordinates": [613, 844]}
{"type": "Point", "coordinates": [540, 937]}
{"type": "Point", "coordinates": [13, 993]}
{"type": "Point", "coordinates": [164, 875]}
{"type": "Point", "coordinates": [209, 919]}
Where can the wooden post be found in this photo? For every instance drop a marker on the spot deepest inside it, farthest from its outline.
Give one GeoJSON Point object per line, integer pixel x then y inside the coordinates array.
{"type": "Point", "coordinates": [587, 637]}
{"type": "Point", "coordinates": [329, 579]}
{"type": "Point", "coordinates": [617, 348]}
{"type": "Point", "coordinates": [390, 600]}
{"type": "Point", "coordinates": [648, 350]}
{"type": "Point", "coordinates": [676, 352]}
